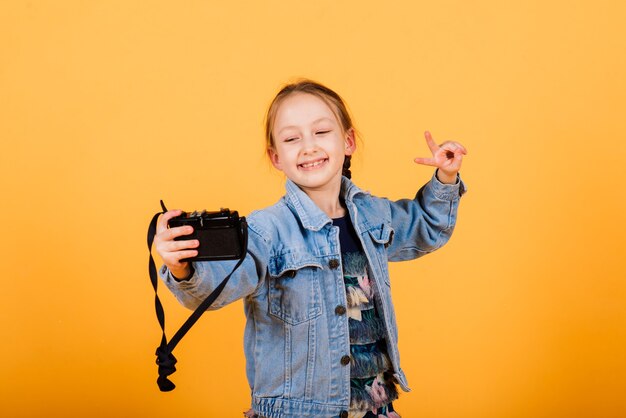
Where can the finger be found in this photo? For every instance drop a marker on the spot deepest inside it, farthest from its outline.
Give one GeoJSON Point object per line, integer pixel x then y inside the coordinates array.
{"type": "Point", "coordinates": [179, 231]}
{"type": "Point", "coordinates": [453, 146]}
{"type": "Point", "coordinates": [449, 151]}
{"type": "Point", "coordinates": [186, 254]}
{"type": "Point", "coordinates": [426, 161]}
{"type": "Point", "coordinates": [432, 145]}
{"type": "Point", "coordinates": [173, 259]}
{"type": "Point", "coordinates": [456, 160]}
{"type": "Point", "coordinates": [179, 245]}
{"type": "Point", "coordinates": [164, 219]}
{"type": "Point", "coordinates": [183, 244]}
{"type": "Point", "coordinates": [171, 252]}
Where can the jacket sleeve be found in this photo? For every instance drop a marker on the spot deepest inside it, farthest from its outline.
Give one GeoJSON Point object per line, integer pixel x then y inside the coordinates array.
{"type": "Point", "coordinates": [209, 274]}
{"type": "Point", "coordinates": [425, 223]}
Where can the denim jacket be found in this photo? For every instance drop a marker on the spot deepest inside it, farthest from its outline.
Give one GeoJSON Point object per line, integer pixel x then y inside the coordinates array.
{"type": "Point", "coordinates": [296, 338]}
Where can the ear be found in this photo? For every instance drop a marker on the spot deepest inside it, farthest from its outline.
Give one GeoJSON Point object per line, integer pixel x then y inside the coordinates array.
{"type": "Point", "coordinates": [350, 142]}
{"type": "Point", "coordinates": [273, 156]}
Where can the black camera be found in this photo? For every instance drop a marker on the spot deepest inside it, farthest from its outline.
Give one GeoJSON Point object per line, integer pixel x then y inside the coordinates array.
{"type": "Point", "coordinates": [221, 234]}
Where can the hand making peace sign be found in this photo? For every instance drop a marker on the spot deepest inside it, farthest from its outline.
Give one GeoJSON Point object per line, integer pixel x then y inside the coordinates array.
{"type": "Point", "coordinates": [447, 157]}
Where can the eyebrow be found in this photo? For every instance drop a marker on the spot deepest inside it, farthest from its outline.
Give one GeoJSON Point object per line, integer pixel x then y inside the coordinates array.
{"type": "Point", "coordinates": [314, 122]}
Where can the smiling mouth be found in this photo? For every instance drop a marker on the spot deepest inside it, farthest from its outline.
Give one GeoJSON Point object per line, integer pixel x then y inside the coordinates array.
{"type": "Point", "coordinates": [312, 165]}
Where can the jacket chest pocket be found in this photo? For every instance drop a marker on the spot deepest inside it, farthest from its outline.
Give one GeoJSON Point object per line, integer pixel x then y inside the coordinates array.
{"type": "Point", "coordinates": [382, 237]}
{"type": "Point", "coordinates": [294, 289]}
{"type": "Point", "coordinates": [382, 234]}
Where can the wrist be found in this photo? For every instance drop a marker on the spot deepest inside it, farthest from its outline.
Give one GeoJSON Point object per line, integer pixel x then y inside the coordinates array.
{"type": "Point", "coordinates": [182, 274]}
{"type": "Point", "coordinates": [445, 177]}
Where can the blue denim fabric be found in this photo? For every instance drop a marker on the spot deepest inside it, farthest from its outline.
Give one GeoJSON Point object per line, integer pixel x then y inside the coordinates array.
{"type": "Point", "coordinates": [291, 282]}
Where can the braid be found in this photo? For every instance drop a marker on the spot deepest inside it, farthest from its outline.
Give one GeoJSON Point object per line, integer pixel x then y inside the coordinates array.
{"type": "Point", "coordinates": [346, 167]}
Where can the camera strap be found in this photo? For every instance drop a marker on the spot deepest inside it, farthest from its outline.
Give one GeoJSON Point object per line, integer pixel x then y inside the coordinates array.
{"type": "Point", "coordinates": [165, 359]}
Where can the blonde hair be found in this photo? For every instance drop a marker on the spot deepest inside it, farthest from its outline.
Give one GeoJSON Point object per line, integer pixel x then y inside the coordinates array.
{"type": "Point", "coordinates": [331, 98]}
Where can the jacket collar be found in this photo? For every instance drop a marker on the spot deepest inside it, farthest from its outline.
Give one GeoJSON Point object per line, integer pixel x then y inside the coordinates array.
{"type": "Point", "coordinates": [311, 216]}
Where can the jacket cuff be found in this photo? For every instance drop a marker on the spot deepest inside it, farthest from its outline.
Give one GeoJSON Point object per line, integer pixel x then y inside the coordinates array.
{"type": "Point", "coordinates": [170, 279]}
{"type": "Point", "coordinates": [448, 191]}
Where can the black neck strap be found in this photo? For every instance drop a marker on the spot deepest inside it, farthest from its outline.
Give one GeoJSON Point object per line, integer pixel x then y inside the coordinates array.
{"type": "Point", "coordinates": [165, 359]}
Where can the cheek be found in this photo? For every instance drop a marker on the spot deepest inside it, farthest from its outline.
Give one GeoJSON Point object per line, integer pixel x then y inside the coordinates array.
{"type": "Point", "coordinates": [341, 147]}
{"type": "Point", "coordinates": [284, 155]}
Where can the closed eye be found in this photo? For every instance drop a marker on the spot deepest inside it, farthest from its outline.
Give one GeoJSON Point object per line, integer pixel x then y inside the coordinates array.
{"type": "Point", "coordinates": [322, 132]}
{"type": "Point", "coordinates": [290, 139]}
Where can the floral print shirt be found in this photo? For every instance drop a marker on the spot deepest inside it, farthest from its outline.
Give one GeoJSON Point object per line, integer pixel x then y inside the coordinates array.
{"type": "Point", "coordinates": [372, 385]}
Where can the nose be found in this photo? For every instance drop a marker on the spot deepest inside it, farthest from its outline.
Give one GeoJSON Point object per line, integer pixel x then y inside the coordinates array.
{"type": "Point", "coordinates": [309, 144]}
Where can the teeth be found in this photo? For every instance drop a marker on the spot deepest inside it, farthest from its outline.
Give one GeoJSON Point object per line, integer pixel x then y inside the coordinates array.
{"type": "Point", "coordinates": [313, 164]}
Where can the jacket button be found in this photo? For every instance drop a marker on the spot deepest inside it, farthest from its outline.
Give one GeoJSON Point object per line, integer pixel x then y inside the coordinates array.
{"type": "Point", "coordinates": [333, 264]}
{"type": "Point", "coordinates": [345, 360]}
{"type": "Point", "coordinates": [340, 310]}
{"type": "Point", "coordinates": [343, 414]}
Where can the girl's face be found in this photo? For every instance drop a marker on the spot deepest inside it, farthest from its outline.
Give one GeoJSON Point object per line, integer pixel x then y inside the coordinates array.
{"type": "Point", "coordinates": [309, 143]}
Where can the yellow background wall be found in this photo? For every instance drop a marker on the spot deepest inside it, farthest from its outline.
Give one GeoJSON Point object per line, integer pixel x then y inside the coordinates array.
{"type": "Point", "coordinates": [108, 106]}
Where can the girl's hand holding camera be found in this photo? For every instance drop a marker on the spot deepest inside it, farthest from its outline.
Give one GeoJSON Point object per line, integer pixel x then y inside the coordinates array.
{"type": "Point", "coordinates": [171, 251]}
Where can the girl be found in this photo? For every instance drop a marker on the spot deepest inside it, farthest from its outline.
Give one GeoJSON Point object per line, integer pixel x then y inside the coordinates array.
{"type": "Point", "coordinates": [320, 337]}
